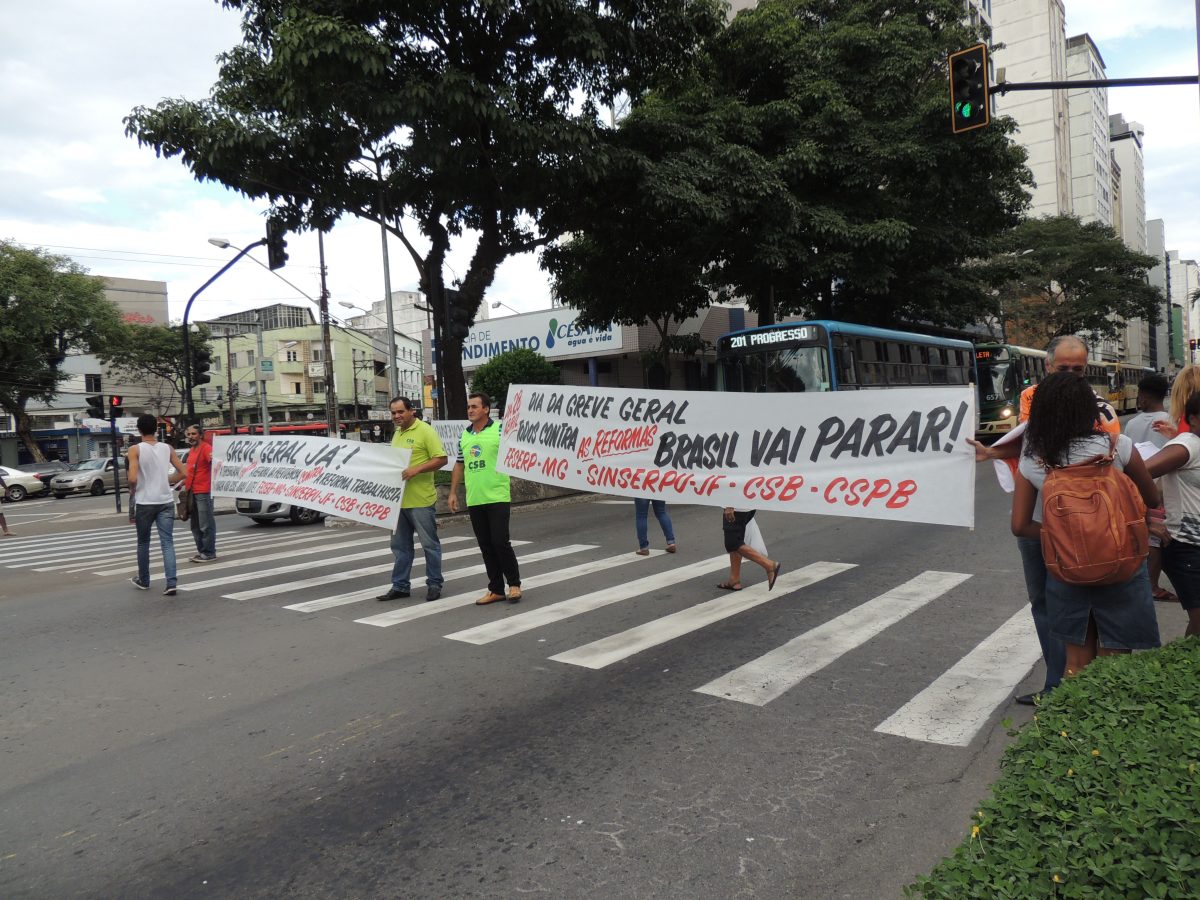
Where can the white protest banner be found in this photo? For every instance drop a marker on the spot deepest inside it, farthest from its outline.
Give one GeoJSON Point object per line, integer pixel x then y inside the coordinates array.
{"type": "Point", "coordinates": [448, 432]}
{"type": "Point", "coordinates": [348, 479]}
{"type": "Point", "coordinates": [898, 454]}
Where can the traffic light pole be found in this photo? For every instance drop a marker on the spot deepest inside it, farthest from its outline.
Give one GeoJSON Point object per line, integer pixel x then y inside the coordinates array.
{"type": "Point", "coordinates": [1005, 86]}
{"type": "Point", "coordinates": [112, 422]}
{"type": "Point", "coordinates": [187, 340]}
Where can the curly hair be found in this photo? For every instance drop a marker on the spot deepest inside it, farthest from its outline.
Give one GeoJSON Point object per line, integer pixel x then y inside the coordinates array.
{"type": "Point", "coordinates": [1186, 384]}
{"type": "Point", "coordinates": [1063, 410]}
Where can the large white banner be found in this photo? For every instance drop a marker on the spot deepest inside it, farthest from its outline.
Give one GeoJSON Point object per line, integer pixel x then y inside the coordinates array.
{"type": "Point", "coordinates": [898, 454]}
{"type": "Point", "coordinates": [449, 431]}
{"type": "Point", "coordinates": [348, 479]}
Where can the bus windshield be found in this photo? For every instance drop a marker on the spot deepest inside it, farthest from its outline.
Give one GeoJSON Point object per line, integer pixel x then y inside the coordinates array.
{"type": "Point", "coordinates": [995, 383]}
{"type": "Point", "coordinates": [779, 371]}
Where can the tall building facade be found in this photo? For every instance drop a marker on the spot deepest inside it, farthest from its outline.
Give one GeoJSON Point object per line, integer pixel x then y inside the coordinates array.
{"type": "Point", "coordinates": [1091, 170]}
{"type": "Point", "coordinates": [1033, 33]}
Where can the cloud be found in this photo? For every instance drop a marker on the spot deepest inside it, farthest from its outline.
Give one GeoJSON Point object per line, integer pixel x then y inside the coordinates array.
{"type": "Point", "coordinates": [1117, 19]}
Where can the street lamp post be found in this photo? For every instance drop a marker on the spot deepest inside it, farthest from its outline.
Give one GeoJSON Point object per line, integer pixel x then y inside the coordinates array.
{"type": "Point", "coordinates": [187, 343]}
{"type": "Point", "coordinates": [496, 304]}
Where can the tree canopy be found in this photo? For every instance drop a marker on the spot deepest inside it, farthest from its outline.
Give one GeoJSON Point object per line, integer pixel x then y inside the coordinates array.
{"type": "Point", "coordinates": [519, 366]}
{"type": "Point", "coordinates": [153, 355]}
{"type": "Point", "coordinates": [49, 307]}
{"type": "Point", "coordinates": [806, 164]}
{"type": "Point", "coordinates": [1058, 275]}
{"type": "Point", "coordinates": [455, 116]}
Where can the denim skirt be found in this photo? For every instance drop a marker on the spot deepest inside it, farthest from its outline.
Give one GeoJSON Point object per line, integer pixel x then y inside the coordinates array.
{"type": "Point", "coordinates": [1124, 614]}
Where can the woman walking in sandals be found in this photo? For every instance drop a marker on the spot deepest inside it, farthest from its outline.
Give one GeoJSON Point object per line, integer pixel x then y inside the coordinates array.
{"type": "Point", "coordinates": [733, 523]}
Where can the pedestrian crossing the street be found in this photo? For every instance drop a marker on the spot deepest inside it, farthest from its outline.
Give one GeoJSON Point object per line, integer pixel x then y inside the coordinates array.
{"type": "Point", "coordinates": [295, 569]}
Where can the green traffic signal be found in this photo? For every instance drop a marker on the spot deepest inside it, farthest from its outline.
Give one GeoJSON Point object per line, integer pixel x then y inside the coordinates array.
{"type": "Point", "coordinates": [968, 89]}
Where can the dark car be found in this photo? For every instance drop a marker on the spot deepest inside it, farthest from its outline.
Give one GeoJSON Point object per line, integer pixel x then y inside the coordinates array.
{"type": "Point", "coordinates": [46, 470]}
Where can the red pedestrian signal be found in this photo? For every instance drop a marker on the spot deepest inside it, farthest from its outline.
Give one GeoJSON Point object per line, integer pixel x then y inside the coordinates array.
{"type": "Point", "coordinates": [114, 406]}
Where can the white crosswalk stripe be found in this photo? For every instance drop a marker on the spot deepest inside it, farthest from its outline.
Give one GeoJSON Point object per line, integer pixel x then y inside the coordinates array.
{"type": "Point", "coordinates": [556, 612]}
{"type": "Point", "coordinates": [227, 547]}
{"type": "Point", "coordinates": [289, 587]}
{"type": "Point", "coordinates": [407, 614]}
{"type": "Point", "coordinates": [182, 550]}
{"type": "Point", "coordinates": [606, 651]}
{"type": "Point", "coordinates": [958, 704]}
{"type": "Point", "coordinates": [762, 680]}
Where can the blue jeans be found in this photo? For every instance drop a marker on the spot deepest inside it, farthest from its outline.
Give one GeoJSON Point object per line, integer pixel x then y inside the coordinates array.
{"type": "Point", "coordinates": [1054, 651]}
{"type": "Point", "coordinates": [422, 520]}
{"type": "Point", "coordinates": [204, 525]}
{"type": "Point", "coordinates": [641, 509]}
{"type": "Point", "coordinates": [162, 516]}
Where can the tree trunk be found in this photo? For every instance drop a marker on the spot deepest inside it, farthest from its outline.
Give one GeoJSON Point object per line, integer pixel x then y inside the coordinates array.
{"type": "Point", "coordinates": [25, 433]}
{"type": "Point", "coordinates": [766, 306]}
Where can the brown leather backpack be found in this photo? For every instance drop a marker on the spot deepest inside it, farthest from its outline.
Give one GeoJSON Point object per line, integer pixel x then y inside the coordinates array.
{"type": "Point", "coordinates": [1093, 523]}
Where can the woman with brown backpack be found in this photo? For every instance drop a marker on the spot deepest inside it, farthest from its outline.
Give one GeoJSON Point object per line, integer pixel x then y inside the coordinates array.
{"type": "Point", "coordinates": [1084, 494]}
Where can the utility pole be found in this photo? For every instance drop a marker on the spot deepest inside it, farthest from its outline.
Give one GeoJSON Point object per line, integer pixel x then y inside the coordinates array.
{"type": "Point", "coordinates": [331, 419]}
{"type": "Point", "coordinates": [393, 375]}
{"type": "Point", "coordinates": [230, 390]}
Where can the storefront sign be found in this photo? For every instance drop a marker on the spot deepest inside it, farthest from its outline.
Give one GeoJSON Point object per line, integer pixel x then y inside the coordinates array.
{"type": "Point", "coordinates": [552, 333]}
{"type": "Point", "coordinates": [897, 454]}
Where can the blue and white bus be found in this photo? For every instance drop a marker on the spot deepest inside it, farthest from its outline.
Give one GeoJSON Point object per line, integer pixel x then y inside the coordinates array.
{"type": "Point", "coordinates": [838, 356]}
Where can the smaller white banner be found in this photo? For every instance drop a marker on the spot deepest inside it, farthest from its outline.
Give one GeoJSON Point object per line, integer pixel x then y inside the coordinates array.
{"type": "Point", "coordinates": [448, 432]}
{"type": "Point", "coordinates": [348, 479]}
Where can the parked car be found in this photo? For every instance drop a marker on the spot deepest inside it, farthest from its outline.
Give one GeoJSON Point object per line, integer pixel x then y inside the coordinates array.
{"type": "Point", "coordinates": [266, 511]}
{"type": "Point", "coordinates": [92, 476]}
{"type": "Point", "coordinates": [46, 470]}
{"type": "Point", "coordinates": [20, 484]}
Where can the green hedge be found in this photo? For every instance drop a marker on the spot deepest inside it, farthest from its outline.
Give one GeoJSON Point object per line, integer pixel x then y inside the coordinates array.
{"type": "Point", "coordinates": [1099, 795]}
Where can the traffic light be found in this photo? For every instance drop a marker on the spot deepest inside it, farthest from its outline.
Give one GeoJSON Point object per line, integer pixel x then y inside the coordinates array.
{"type": "Point", "coordinates": [201, 365]}
{"type": "Point", "coordinates": [276, 245]}
{"type": "Point", "coordinates": [114, 406]}
{"type": "Point", "coordinates": [460, 318]}
{"type": "Point", "coordinates": [969, 107]}
{"type": "Point", "coordinates": [95, 406]}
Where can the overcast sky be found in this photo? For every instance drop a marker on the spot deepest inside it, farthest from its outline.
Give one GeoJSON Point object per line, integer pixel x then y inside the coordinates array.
{"type": "Point", "coordinates": [70, 181]}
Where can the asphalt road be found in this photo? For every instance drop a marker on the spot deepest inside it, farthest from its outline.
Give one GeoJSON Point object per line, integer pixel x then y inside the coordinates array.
{"type": "Point", "coordinates": [221, 744]}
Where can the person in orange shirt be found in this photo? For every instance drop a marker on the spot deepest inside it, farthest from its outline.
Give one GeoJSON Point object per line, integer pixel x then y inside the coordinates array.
{"type": "Point", "coordinates": [199, 482]}
{"type": "Point", "coordinates": [1068, 353]}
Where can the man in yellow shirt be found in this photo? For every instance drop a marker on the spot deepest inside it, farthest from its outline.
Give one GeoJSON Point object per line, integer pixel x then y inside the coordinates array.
{"type": "Point", "coordinates": [418, 506]}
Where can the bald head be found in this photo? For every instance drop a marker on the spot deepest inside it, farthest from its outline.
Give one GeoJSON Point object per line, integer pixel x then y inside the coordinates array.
{"type": "Point", "coordinates": [1067, 353]}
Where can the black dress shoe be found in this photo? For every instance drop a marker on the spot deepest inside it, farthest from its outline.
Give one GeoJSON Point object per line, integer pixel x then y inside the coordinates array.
{"type": "Point", "coordinates": [1030, 699]}
{"type": "Point", "coordinates": [394, 594]}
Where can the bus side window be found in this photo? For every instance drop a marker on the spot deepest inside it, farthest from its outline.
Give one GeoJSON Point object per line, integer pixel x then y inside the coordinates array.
{"type": "Point", "coordinates": [897, 371]}
{"type": "Point", "coordinates": [938, 373]}
{"type": "Point", "coordinates": [920, 366]}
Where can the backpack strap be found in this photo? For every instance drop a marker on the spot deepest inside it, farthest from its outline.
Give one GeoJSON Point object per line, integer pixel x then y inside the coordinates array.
{"type": "Point", "coordinates": [1100, 459]}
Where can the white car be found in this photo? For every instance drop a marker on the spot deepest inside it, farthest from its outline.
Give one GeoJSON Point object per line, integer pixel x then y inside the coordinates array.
{"type": "Point", "coordinates": [264, 511]}
{"type": "Point", "coordinates": [20, 484]}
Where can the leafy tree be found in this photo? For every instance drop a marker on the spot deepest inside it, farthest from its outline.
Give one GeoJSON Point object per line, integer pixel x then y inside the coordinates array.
{"type": "Point", "coordinates": [806, 164]}
{"type": "Point", "coordinates": [153, 354]}
{"type": "Point", "coordinates": [519, 366]}
{"type": "Point", "coordinates": [49, 308]}
{"type": "Point", "coordinates": [458, 116]}
{"type": "Point", "coordinates": [1057, 275]}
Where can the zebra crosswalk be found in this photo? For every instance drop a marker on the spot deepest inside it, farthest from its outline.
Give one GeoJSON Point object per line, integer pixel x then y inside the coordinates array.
{"type": "Point", "coordinates": [295, 569]}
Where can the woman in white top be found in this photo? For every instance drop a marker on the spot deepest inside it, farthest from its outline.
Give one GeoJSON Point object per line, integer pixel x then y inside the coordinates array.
{"type": "Point", "coordinates": [1178, 465]}
{"type": "Point", "coordinates": [1092, 620]}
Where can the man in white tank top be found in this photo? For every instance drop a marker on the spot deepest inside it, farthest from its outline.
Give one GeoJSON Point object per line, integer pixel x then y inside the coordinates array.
{"type": "Point", "coordinates": [153, 467]}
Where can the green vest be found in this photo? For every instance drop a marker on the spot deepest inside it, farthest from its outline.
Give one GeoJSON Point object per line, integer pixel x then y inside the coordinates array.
{"type": "Point", "coordinates": [478, 451]}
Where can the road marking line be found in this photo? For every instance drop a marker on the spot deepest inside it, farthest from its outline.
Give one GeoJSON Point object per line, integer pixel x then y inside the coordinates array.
{"type": "Point", "coordinates": [556, 612]}
{"type": "Point", "coordinates": [102, 556]}
{"type": "Point", "coordinates": [330, 577]}
{"type": "Point", "coordinates": [75, 550]}
{"type": "Point", "coordinates": [605, 651]}
{"type": "Point", "coordinates": [760, 681]}
{"type": "Point", "coordinates": [408, 613]}
{"type": "Point", "coordinates": [958, 704]}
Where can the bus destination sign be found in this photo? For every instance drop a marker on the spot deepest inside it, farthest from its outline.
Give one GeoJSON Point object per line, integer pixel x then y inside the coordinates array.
{"type": "Point", "coordinates": [771, 338]}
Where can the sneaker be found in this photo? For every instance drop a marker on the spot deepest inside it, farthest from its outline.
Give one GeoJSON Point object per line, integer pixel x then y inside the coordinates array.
{"type": "Point", "coordinates": [169, 590]}
{"type": "Point", "coordinates": [139, 585]}
{"type": "Point", "coordinates": [197, 558]}
{"type": "Point", "coordinates": [514, 595]}
{"type": "Point", "coordinates": [489, 597]}
{"type": "Point", "coordinates": [433, 593]}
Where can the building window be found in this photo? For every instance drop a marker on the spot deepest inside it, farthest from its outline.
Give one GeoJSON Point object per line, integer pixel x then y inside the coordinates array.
{"type": "Point", "coordinates": [91, 383]}
{"type": "Point", "coordinates": [318, 354]}
{"type": "Point", "coordinates": [318, 387]}
{"type": "Point", "coordinates": [203, 395]}
{"type": "Point", "coordinates": [296, 387]}
{"type": "Point", "coordinates": [216, 363]}
{"type": "Point", "coordinates": [249, 357]}
{"type": "Point", "coordinates": [293, 356]}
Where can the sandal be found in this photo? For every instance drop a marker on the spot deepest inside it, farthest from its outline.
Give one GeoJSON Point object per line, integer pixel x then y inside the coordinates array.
{"type": "Point", "coordinates": [774, 574]}
{"type": "Point", "coordinates": [730, 586]}
{"type": "Point", "coordinates": [1165, 596]}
